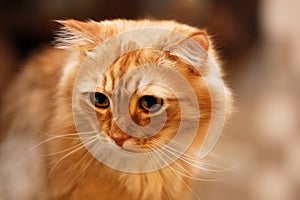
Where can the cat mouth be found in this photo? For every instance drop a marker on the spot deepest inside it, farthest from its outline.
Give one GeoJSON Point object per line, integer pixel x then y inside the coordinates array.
{"type": "Point", "coordinates": [128, 145]}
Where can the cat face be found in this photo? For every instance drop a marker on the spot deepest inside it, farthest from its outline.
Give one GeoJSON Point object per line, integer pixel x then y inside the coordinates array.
{"type": "Point", "coordinates": [147, 101]}
{"type": "Point", "coordinates": [139, 97]}
{"type": "Point", "coordinates": [146, 96]}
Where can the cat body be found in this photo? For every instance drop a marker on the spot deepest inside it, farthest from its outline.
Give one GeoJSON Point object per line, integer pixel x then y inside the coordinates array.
{"type": "Point", "coordinates": [42, 155]}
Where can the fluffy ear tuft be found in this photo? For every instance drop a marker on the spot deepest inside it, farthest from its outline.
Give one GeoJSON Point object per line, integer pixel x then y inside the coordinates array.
{"type": "Point", "coordinates": [78, 35]}
{"type": "Point", "coordinates": [193, 49]}
{"type": "Point", "coordinates": [201, 38]}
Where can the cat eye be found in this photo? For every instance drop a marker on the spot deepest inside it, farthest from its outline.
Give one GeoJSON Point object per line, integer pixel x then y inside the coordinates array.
{"type": "Point", "coordinates": [99, 100]}
{"type": "Point", "coordinates": [150, 103]}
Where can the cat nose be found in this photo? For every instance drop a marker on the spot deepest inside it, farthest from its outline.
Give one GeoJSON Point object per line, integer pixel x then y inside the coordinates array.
{"type": "Point", "coordinates": [119, 138]}
{"type": "Point", "coordinates": [117, 135]}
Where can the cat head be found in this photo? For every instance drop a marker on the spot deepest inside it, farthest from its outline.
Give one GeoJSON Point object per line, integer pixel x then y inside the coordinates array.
{"type": "Point", "coordinates": [144, 84]}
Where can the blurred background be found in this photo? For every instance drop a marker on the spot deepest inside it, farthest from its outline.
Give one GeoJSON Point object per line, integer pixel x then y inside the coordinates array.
{"type": "Point", "coordinates": [258, 40]}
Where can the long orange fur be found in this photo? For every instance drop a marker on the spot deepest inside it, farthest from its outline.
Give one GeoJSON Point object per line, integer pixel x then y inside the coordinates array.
{"type": "Point", "coordinates": [38, 107]}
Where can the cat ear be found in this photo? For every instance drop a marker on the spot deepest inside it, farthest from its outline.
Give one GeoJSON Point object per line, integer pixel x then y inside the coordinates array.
{"type": "Point", "coordinates": [193, 49]}
{"type": "Point", "coordinates": [201, 38]}
{"type": "Point", "coordinates": [78, 35]}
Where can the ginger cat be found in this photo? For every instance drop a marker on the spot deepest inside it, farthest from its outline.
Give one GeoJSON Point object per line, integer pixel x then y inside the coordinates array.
{"type": "Point", "coordinates": [65, 132]}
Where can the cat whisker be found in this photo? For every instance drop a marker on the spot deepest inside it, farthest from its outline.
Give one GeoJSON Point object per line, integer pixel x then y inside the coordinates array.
{"type": "Point", "coordinates": [62, 151]}
{"type": "Point", "coordinates": [85, 168]}
{"type": "Point", "coordinates": [64, 136]}
{"type": "Point", "coordinates": [185, 170]}
{"type": "Point", "coordinates": [65, 150]}
{"type": "Point", "coordinates": [201, 162]}
{"type": "Point", "coordinates": [186, 173]}
{"type": "Point", "coordinates": [161, 176]}
{"type": "Point", "coordinates": [195, 161]}
{"type": "Point", "coordinates": [189, 188]}
{"type": "Point", "coordinates": [198, 162]}
{"type": "Point", "coordinates": [179, 175]}
{"type": "Point", "coordinates": [68, 154]}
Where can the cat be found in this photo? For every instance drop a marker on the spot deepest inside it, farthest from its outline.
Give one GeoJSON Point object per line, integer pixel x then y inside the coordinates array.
{"type": "Point", "coordinates": [64, 135]}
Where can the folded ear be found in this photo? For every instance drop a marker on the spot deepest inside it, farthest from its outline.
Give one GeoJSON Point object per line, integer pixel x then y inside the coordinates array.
{"type": "Point", "coordinates": [201, 38]}
{"type": "Point", "coordinates": [193, 49]}
{"type": "Point", "coordinates": [78, 35]}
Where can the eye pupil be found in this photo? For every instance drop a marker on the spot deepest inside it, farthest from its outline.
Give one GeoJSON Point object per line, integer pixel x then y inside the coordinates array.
{"type": "Point", "coordinates": [100, 100]}
{"type": "Point", "coordinates": [150, 103]}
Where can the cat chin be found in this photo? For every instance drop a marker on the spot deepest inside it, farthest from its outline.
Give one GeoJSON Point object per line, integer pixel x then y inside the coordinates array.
{"type": "Point", "coordinates": [130, 146]}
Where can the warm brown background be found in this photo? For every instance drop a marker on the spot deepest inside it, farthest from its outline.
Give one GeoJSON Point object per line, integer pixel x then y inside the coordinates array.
{"type": "Point", "coordinates": [259, 42]}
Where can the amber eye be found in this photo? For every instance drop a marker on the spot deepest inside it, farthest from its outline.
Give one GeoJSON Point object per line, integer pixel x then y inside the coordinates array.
{"type": "Point", "coordinates": [100, 100]}
{"type": "Point", "coordinates": [150, 103]}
